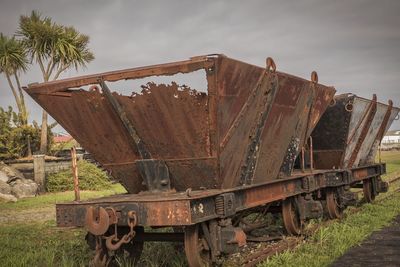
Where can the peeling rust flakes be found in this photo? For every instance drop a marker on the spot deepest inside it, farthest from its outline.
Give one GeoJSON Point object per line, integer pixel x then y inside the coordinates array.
{"type": "Point", "coordinates": [202, 137]}
{"type": "Point", "coordinates": [170, 126]}
{"type": "Point", "coordinates": [168, 213]}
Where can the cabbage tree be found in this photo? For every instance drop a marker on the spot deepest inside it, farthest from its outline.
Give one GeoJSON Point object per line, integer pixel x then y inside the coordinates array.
{"type": "Point", "coordinates": [55, 48]}
{"type": "Point", "coordinates": [13, 61]}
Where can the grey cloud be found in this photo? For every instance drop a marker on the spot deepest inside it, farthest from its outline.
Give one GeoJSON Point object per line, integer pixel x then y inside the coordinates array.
{"type": "Point", "coordinates": [354, 45]}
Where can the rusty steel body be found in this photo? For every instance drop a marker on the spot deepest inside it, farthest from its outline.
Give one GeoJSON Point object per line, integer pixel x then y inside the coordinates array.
{"type": "Point", "coordinates": [349, 132]}
{"type": "Point", "coordinates": [205, 139]}
{"type": "Point", "coordinates": [195, 159]}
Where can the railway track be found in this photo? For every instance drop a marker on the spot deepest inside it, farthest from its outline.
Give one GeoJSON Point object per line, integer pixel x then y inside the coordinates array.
{"type": "Point", "coordinates": [287, 243]}
{"type": "Point", "coordinates": [260, 256]}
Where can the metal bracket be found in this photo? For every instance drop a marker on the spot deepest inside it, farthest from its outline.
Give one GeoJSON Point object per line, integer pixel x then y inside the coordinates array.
{"type": "Point", "coordinates": [309, 209]}
{"type": "Point", "coordinates": [336, 179]}
{"type": "Point", "coordinates": [225, 205]}
{"type": "Point", "coordinates": [308, 183]}
{"type": "Point", "coordinates": [155, 174]}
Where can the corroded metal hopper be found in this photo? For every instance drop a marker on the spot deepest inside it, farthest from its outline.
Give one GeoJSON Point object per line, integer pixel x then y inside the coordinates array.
{"type": "Point", "coordinates": [349, 132]}
{"type": "Point", "coordinates": [246, 129]}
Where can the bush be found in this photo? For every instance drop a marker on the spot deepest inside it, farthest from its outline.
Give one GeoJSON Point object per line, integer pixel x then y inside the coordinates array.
{"type": "Point", "coordinates": [15, 135]}
{"type": "Point", "coordinates": [90, 178]}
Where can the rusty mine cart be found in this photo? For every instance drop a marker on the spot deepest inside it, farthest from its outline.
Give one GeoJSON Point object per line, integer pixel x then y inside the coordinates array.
{"type": "Point", "coordinates": [256, 140]}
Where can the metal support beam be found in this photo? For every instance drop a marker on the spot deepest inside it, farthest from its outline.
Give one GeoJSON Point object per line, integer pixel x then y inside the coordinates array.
{"type": "Point", "coordinates": [371, 113]}
{"type": "Point", "coordinates": [137, 141]}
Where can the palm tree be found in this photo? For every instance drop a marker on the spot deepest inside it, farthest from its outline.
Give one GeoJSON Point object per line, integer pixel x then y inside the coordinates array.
{"type": "Point", "coordinates": [13, 61]}
{"type": "Point", "coordinates": [55, 48]}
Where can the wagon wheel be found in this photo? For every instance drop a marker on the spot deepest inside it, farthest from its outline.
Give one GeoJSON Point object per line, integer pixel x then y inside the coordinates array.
{"type": "Point", "coordinates": [291, 218]}
{"type": "Point", "coordinates": [335, 211]}
{"type": "Point", "coordinates": [197, 251]}
{"type": "Point", "coordinates": [369, 194]}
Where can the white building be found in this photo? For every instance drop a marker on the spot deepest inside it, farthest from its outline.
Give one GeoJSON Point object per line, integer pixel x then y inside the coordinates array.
{"type": "Point", "coordinates": [391, 138]}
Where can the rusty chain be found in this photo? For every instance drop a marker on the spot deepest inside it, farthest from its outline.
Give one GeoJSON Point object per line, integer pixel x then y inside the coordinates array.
{"type": "Point", "coordinates": [113, 242]}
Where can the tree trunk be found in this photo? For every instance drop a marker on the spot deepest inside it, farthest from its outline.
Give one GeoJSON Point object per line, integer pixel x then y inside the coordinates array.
{"type": "Point", "coordinates": [29, 152]}
{"type": "Point", "coordinates": [17, 100]}
{"type": "Point", "coordinates": [43, 131]}
{"type": "Point", "coordinates": [43, 134]}
{"type": "Point", "coordinates": [24, 111]}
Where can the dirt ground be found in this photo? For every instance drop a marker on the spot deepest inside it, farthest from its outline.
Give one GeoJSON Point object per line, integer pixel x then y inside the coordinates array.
{"type": "Point", "coordinates": [26, 216]}
{"type": "Point", "coordinates": [382, 248]}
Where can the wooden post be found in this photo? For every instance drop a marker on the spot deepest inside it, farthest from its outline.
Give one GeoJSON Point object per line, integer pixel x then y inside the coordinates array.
{"type": "Point", "coordinates": [379, 151]}
{"type": "Point", "coordinates": [75, 174]}
{"type": "Point", "coordinates": [39, 171]}
{"type": "Point", "coordinates": [311, 155]}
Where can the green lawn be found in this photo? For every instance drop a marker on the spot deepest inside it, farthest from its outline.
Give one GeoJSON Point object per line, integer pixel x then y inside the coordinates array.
{"type": "Point", "coordinates": [333, 240]}
{"type": "Point", "coordinates": [392, 159]}
{"type": "Point", "coordinates": [42, 244]}
{"type": "Point", "coordinates": [50, 199]}
{"type": "Point", "coordinates": [33, 243]}
{"type": "Point", "coordinates": [36, 243]}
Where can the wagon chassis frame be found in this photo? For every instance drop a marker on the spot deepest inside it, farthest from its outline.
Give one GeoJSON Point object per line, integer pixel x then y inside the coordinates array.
{"type": "Point", "coordinates": [206, 216]}
{"type": "Point", "coordinates": [193, 207]}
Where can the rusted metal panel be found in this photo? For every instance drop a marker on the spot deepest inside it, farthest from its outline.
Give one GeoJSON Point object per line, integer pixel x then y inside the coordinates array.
{"type": "Point", "coordinates": [294, 107]}
{"type": "Point", "coordinates": [347, 133]}
{"type": "Point", "coordinates": [327, 159]}
{"type": "Point", "coordinates": [371, 134]}
{"type": "Point", "coordinates": [360, 174]}
{"type": "Point", "coordinates": [359, 125]}
{"type": "Point", "coordinates": [156, 213]}
{"type": "Point", "coordinates": [167, 213]}
{"type": "Point", "coordinates": [172, 120]}
{"type": "Point", "coordinates": [90, 119]}
{"type": "Point", "coordinates": [365, 172]}
{"type": "Point", "coordinates": [167, 69]}
{"type": "Point", "coordinates": [330, 135]}
{"type": "Point", "coordinates": [199, 173]}
{"type": "Point", "coordinates": [164, 126]}
{"type": "Point", "coordinates": [390, 115]}
{"type": "Point", "coordinates": [247, 124]}
{"type": "Point", "coordinates": [285, 127]}
{"type": "Point", "coordinates": [276, 191]}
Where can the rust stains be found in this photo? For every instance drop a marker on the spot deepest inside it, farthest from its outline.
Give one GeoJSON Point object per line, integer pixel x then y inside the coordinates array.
{"type": "Point", "coordinates": [171, 120]}
{"type": "Point", "coordinates": [204, 138]}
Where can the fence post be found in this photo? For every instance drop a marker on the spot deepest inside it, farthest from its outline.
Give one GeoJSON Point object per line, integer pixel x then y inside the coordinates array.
{"type": "Point", "coordinates": [75, 173]}
{"type": "Point", "coordinates": [39, 171]}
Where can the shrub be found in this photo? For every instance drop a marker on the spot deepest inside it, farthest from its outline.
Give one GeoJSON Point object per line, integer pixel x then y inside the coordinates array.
{"type": "Point", "coordinates": [90, 178]}
{"type": "Point", "coordinates": [14, 135]}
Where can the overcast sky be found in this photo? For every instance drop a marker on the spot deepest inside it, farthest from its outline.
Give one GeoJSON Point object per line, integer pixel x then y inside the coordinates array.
{"type": "Point", "coordinates": [353, 45]}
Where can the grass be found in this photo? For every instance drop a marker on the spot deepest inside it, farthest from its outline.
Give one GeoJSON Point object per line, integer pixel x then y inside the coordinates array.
{"type": "Point", "coordinates": [50, 199]}
{"type": "Point", "coordinates": [333, 240]}
{"type": "Point", "coordinates": [43, 244]}
{"type": "Point", "coordinates": [392, 159]}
